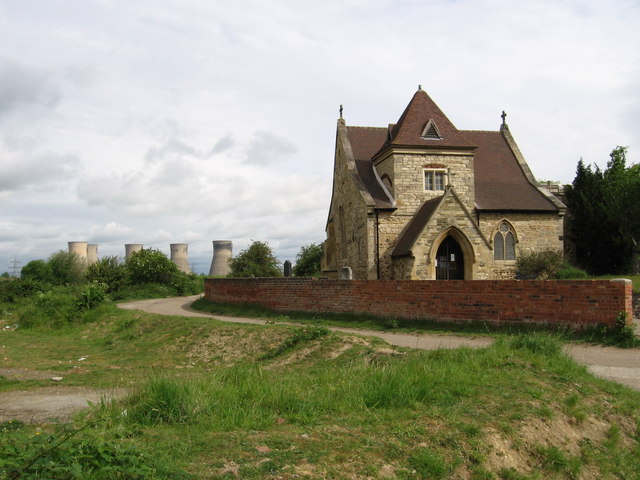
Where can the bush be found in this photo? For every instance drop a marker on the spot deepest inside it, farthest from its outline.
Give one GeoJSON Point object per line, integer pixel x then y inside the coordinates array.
{"type": "Point", "coordinates": [256, 261]}
{"type": "Point", "coordinates": [92, 296]}
{"type": "Point", "coordinates": [308, 260]}
{"type": "Point", "coordinates": [569, 272]}
{"type": "Point", "coordinates": [36, 270]}
{"type": "Point", "coordinates": [150, 266]}
{"type": "Point", "coordinates": [108, 271]}
{"type": "Point", "coordinates": [539, 265]}
{"type": "Point", "coordinates": [67, 268]}
{"type": "Point", "coordinates": [13, 290]}
{"type": "Point", "coordinates": [54, 308]}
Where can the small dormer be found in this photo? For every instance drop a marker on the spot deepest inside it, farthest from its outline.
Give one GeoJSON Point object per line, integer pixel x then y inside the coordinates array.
{"type": "Point", "coordinates": [430, 131]}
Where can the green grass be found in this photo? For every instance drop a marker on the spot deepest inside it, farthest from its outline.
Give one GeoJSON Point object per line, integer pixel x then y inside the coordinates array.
{"type": "Point", "coordinates": [213, 400]}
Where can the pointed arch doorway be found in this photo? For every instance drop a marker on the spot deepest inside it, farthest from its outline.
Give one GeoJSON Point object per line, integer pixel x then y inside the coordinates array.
{"type": "Point", "coordinates": [449, 260]}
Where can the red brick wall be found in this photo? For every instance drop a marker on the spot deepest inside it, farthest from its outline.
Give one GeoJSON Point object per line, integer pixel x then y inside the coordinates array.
{"type": "Point", "coordinates": [578, 303]}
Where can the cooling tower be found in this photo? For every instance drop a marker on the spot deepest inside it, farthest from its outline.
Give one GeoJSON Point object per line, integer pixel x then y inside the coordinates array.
{"type": "Point", "coordinates": [130, 248]}
{"type": "Point", "coordinates": [180, 256]}
{"type": "Point", "coordinates": [92, 253]}
{"type": "Point", "coordinates": [221, 256]}
{"type": "Point", "coordinates": [79, 248]}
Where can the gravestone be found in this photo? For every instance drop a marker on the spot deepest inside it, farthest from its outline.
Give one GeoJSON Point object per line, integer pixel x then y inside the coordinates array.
{"type": "Point", "coordinates": [287, 268]}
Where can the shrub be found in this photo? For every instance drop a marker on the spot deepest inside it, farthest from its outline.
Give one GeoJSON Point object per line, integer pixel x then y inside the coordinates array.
{"type": "Point", "coordinates": [36, 270]}
{"type": "Point", "coordinates": [569, 272]}
{"type": "Point", "coordinates": [109, 271]}
{"type": "Point", "coordinates": [92, 296]}
{"type": "Point", "coordinates": [53, 308]}
{"type": "Point", "coordinates": [256, 261]}
{"type": "Point", "coordinates": [621, 334]}
{"type": "Point", "coordinates": [539, 265]}
{"type": "Point", "coordinates": [12, 290]}
{"type": "Point", "coordinates": [308, 260]}
{"type": "Point", "coordinates": [67, 268]}
{"type": "Point", "coordinates": [152, 266]}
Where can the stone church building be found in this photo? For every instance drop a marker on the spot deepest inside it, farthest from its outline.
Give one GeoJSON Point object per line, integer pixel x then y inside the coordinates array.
{"type": "Point", "coordinates": [420, 199]}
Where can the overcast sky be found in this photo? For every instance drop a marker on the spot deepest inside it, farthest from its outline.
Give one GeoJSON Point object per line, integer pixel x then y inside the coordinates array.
{"type": "Point", "coordinates": [187, 121]}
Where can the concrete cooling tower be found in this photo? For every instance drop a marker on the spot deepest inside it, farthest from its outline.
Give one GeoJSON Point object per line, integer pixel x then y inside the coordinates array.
{"type": "Point", "coordinates": [130, 248]}
{"type": "Point", "coordinates": [180, 256]}
{"type": "Point", "coordinates": [221, 255]}
{"type": "Point", "coordinates": [92, 253]}
{"type": "Point", "coordinates": [79, 248]}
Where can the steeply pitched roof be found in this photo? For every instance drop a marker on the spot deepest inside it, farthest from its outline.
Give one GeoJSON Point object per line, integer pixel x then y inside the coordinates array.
{"type": "Point", "coordinates": [415, 227]}
{"type": "Point", "coordinates": [365, 142]}
{"type": "Point", "coordinates": [409, 128]}
{"type": "Point", "coordinates": [500, 183]}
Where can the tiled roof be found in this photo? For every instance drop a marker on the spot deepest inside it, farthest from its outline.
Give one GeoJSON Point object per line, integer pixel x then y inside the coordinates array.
{"type": "Point", "coordinates": [415, 226]}
{"type": "Point", "coordinates": [408, 130]}
{"type": "Point", "coordinates": [365, 142]}
{"type": "Point", "coordinates": [500, 183]}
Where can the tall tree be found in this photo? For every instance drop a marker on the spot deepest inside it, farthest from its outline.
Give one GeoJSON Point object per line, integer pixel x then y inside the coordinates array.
{"type": "Point", "coordinates": [255, 261]}
{"type": "Point", "coordinates": [604, 209]}
{"type": "Point", "coordinates": [308, 260]}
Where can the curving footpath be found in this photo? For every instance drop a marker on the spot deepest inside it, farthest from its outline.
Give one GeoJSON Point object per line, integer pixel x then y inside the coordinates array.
{"type": "Point", "coordinates": [620, 365]}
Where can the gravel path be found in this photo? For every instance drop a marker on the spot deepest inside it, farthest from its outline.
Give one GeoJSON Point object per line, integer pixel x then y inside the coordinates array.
{"type": "Point", "coordinates": [617, 364]}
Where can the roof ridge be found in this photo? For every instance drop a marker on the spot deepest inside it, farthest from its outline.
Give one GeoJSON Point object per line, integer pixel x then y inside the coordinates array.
{"type": "Point", "coordinates": [480, 131]}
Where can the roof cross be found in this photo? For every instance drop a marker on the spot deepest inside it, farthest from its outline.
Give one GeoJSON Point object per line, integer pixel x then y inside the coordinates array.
{"type": "Point", "coordinates": [504, 118]}
{"type": "Point", "coordinates": [340, 111]}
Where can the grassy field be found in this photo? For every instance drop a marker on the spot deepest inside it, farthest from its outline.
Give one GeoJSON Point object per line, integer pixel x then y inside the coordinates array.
{"type": "Point", "coordinates": [210, 400]}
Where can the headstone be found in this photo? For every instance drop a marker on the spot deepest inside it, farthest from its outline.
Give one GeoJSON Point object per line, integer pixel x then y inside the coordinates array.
{"type": "Point", "coordinates": [287, 268]}
{"type": "Point", "coordinates": [346, 273]}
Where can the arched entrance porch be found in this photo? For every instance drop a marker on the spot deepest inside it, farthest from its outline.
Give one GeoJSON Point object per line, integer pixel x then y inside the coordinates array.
{"type": "Point", "coordinates": [452, 256]}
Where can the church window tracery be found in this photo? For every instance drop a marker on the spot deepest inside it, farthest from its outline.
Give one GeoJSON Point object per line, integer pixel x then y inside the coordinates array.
{"type": "Point", "coordinates": [504, 243]}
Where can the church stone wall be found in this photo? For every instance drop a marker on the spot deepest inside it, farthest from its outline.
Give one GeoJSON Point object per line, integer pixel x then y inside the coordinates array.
{"type": "Point", "coordinates": [474, 247]}
{"type": "Point", "coordinates": [408, 178]}
{"type": "Point", "coordinates": [535, 232]}
{"type": "Point", "coordinates": [349, 230]}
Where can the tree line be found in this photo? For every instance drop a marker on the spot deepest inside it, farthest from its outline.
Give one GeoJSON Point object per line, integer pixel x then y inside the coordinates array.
{"type": "Point", "coordinates": [604, 215]}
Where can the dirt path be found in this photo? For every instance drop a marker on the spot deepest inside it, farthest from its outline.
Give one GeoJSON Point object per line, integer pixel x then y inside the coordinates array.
{"type": "Point", "coordinates": [46, 404]}
{"type": "Point", "coordinates": [620, 365]}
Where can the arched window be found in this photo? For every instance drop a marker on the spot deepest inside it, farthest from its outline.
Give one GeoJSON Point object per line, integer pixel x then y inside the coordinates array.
{"type": "Point", "coordinates": [504, 243]}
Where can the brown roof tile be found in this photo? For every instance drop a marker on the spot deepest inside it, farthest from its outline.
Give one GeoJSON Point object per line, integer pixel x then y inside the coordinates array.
{"type": "Point", "coordinates": [415, 226]}
{"type": "Point", "coordinates": [365, 142]}
{"type": "Point", "coordinates": [500, 183]}
{"type": "Point", "coordinates": [414, 119]}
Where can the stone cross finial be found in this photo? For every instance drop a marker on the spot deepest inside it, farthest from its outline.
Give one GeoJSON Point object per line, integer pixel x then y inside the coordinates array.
{"type": "Point", "coordinates": [340, 111]}
{"type": "Point", "coordinates": [504, 118]}
{"type": "Point", "coordinates": [419, 87]}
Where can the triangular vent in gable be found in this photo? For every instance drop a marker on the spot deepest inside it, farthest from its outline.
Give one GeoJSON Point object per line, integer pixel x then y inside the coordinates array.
{"type": "Point", "coordinates": [431, 132]}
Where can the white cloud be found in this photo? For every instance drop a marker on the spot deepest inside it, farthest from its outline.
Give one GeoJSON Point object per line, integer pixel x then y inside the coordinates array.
{"type": "Point", "coordinates": [22, 86]}
{"type": "Point", "coordinates": [170, 121]}
{"type": "Point", "coordinates": [44, 170]}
